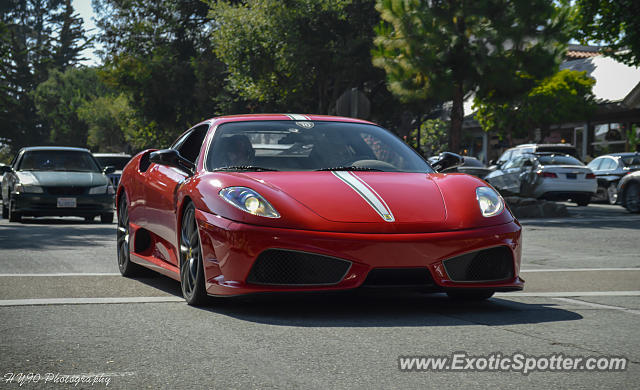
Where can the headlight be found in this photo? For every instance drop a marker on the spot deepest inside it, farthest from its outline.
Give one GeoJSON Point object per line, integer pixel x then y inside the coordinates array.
{"type": "Point", "coordinates": [248, 200]}
{"type": "Point", "coordinates": [28, 189]}
{"type": "Point", "coordinates": [490, 202]}
{"type": "Point", "coordinates": [101, 190]}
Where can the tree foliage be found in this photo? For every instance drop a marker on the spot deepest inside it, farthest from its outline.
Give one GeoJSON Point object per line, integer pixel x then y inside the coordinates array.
{"type": "Point", "coordinates": [613, 23]}
{"type": "Point", "coordinates": [563, 97]}
{"type": "Point", "coordinates": [295, 55]}
{"type": "Point", "coordinates": [111, 123]}
{"type": "Point", "coordinates": [446, 49]}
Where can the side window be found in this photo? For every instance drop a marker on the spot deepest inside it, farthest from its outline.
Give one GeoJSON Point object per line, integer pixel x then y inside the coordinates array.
{"type": "Point", "coordinates": [595, 164]}
{"type": "Point", "coordinates": [608, 164]}
{"type": "Point", "coordinates": [505, 156]}
{"type": "Point", "coordinates": [189, 146]}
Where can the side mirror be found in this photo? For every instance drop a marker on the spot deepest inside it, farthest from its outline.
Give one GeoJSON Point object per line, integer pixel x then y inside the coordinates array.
{"type": "Point", "coordinates": [5, 169]}
{"type": "Point", "coordinates": [447, 160]}
{"type": "Point", "coordinates": [492, 162]}
{"type": "Point", "coordinates": [109, 169]}
{"type": "Point", "coordinates": [172, 158]}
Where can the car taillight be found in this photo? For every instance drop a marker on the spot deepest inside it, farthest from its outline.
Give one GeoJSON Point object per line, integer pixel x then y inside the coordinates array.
{"type": "Point", "coordinates": [590, 176]}
{"type": "Point", "coordinates": [547, 174]}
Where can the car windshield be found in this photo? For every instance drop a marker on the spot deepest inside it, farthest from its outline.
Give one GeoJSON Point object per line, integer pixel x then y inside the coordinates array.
{"type": "Point", "coordinates": [58, 160]}
{"type": "Point", "coordinates": [309, 146]}
{"type": "Point", "coordinates": [630, 161]}
{"type": "Point", "coordinates": [559, 160]}
{"type": "Point", "coordinates": [118, 162]}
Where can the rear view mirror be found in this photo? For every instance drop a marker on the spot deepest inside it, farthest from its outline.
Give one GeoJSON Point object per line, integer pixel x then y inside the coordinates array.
{"type": "Point", "coordinates": [447, 160]}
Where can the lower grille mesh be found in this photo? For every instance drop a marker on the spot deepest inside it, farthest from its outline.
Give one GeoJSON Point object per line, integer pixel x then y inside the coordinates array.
{"type": "Point", "coordinates": [284, 267]}
{"type": "Point", "coordinates": [493, 264]}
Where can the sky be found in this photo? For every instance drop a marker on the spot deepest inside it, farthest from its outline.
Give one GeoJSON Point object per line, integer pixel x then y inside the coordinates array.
{"type": "Point", "coordinates": [83, 7]}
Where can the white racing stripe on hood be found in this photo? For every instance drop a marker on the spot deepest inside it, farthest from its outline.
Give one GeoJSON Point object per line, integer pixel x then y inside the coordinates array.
{"type": "Point", "coordinates": [298, 117]}
{"type": "Point", "coordinates": [367, 193]}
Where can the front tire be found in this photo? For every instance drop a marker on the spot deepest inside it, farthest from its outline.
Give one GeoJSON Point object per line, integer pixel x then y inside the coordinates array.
{"type": "Point", "coordinates": [191, 266]}
{"type": "Point", "coordinates": [5, 211]}
{"type": "Point", "coordinates": [126, 267]}
{"type": "Point", "coordinates": [14, 216]}
{"type": "Point", "coordinates": [106, 218]}
{"type": "Point", "coordinates": [470, 295]}
{"type": "Point", "coordinates": [632, 198]}
{"type": "Point", "coordinates": [583, 200]}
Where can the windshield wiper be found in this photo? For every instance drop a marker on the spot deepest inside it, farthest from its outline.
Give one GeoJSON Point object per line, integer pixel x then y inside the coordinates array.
{"type": "Point", "coordinates": [350, 168]}
{"type": "Point", "coordinates": [244, 168]}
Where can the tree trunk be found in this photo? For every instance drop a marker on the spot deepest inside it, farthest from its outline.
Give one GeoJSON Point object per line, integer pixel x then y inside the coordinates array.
{"type": "Point", "coordinates": [457, 116]}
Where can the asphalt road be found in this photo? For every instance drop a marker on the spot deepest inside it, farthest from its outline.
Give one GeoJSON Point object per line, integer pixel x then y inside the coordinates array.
{"type": "Point", "coordinates": [64, 310]}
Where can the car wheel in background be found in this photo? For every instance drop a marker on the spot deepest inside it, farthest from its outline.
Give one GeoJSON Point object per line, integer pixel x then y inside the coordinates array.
{"type": "Point", "coordinates": [5, 211]}
{"type": "Point", "coordinates": [127, 268]}
{"type": "Point", "coordinates": [470, 295]}
{"type": "Point", "coordinates": [106, 218]}
{"type": "Point", "coordinates": [191, 267]}
{"type": "Point", "coordinates": [632, 198]}
{"type": "Point", "coordinates": [612, 192]}
{"type": "Point", "coordinates": [89, 219]}
{"type": "Point", "coordinates": [582, 200]}
{"type": "Point", "coordinates": [14, 216]}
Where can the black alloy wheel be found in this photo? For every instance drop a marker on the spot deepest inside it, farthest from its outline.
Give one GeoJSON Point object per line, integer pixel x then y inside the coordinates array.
{"type": "Point", "coordinates": [191, 266]}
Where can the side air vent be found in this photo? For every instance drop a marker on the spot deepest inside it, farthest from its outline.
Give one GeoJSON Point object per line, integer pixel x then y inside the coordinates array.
{"type": "Point", "coordinates": [488, 265]}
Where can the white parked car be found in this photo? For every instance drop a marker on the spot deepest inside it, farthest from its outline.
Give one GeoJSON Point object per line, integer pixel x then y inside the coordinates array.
{"type": "Point", "coordinates": [546, 175]}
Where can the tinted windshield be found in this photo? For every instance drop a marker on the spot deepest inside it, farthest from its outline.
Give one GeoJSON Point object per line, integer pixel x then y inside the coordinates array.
{"type": "Point", "coordinates": [631, 160]}
{"type": "Point", "coordinates": [58, 160]}
{"type": "Point", "coordinates": [558, 160]}
{"type": "Point", "coordinates": [118, 162]}
{"type": "Point", "coordinates": [305, 146]}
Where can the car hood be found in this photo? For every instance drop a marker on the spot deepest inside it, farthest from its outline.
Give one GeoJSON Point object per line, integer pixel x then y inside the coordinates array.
{"type": "Point", "coordinates": [62, 178]}
{"type": "Point", "coordinates": [360, 202]}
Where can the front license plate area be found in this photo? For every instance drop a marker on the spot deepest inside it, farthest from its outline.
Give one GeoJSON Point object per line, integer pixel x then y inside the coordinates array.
{"type": "Point", "coordinates": [572, 176]}
{"type": "Point", "coordinates": [67, 203]}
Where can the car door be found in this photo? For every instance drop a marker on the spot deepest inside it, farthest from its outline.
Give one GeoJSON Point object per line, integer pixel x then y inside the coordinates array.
{"type": "Point", "coordinates": [161, 186]}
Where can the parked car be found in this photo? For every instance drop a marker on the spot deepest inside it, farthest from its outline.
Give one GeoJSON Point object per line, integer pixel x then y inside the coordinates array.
{"type": "Point", "coordinates": [470, 165]}
{"type": "Point", "coordinates": [546, 175]}
{"type": "Point", "coordinates": [115, 160]}
{"type": "Point", "coordinates": [629, 192]}
{"type": "Point", "coordinates": [56, 181]}
{"type": "Point", "coordinates": [609, 169]}
{"type": "Point", "coordinates": [513, 153]}
{"type": "Point", "coordinates": [289, 203]}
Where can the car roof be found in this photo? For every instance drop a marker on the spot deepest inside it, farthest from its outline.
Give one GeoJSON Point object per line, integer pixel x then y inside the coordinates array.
{"type": "Point", "coordinates": [123, 154]}
{"type": "Point", "coordinates": [568, 146]}
{"type": "Point", "coordinates": [68, 148]}
{"type": "Point", "coordinates": [284, 117]}
{"type": "Point", "coordinates": [626, 154]}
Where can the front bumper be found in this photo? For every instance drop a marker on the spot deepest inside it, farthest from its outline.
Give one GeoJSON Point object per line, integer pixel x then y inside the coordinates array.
{"type": "Point", "coordinates": [230, 250]}
{"type": "Point", "coordinates": [45, 205]}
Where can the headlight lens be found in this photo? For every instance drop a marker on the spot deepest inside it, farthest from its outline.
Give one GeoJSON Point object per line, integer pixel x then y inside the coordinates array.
{"type": "Point", "coordinates": [101, 190]}
{"type": "Point", "coordinates": [490, 202]}
{"type": "Point", "coordinates": [29, 189]}
{"type": "Point", "coordinates": [249, 201]}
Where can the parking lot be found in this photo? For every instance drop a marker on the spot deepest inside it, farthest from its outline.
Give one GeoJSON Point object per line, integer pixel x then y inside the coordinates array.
{"type": "Point", "coordinates": [64, 309]}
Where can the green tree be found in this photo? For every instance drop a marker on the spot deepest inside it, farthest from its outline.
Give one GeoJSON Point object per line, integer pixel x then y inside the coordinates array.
{"type": "Point", "coordinates": [446, 49]}
{"type": "Point", "coordinates": [58, 99]}
{"type": "Point", "coordinates": [433, 137]}
{"type": "Point", "coordinates": [565, 96]}
{"type": "Point", "coordinates": [159, 54]}
{"type": "Point", "coordinates": [111, 123]}
{"type": "Point", "coordinates": [296, 55]}
{"type": "Point", "coordinates": [613, 23]}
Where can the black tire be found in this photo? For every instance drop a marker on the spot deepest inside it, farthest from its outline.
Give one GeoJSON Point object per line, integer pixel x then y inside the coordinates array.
{"type": "Point", "coordinates": [583, 200]}
{"type": "Point", "coordinates": [5, 211]}
{"type": "Point", "coordinates": [612, 194]}
{"type": "Point", "coordinates": [191, 266]}
{"type": "Point", "coordinates": [14, 216]}
{"type": "Point", "coordinates": [632, 198]}
{"type": "Point", "coordinates": [89, 219]}
{"type": "Point", "coordinates": [470, 295]}
{"type": "Point", "coordinates": [127, 268]}
{"type": "Point", "coordinates": [106, 218]}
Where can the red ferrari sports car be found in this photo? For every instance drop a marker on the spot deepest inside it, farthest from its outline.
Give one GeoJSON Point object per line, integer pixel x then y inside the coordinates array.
{"type": "Point", "coordinates": [273, 203]}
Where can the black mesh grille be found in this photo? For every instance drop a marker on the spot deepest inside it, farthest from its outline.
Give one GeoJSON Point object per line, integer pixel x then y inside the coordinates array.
{"type": "Point", "coordinates": [66, 190]}
{"type": "Point", "coordinates": [493, 264]}
{"type": "Point", "coordinates": [283, 267]}
{"type": "Point", "coordinates": [399, 277]}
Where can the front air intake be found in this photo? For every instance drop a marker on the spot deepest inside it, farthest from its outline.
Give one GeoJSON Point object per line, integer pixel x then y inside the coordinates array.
{"type": "Point", "coordinates": [488, 265]}
{"type": "Point", "coordinates": [293, 268]}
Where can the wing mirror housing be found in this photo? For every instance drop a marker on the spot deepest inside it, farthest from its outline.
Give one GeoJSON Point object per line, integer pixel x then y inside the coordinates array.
{"type": "Point", "coordinates": [172, 158]}
{"type": "Point", "coordinates": [447, 160]}
{"type": "Point", "coordinates": [109, 169]}
{"type": "Point", "coordinates": [5, 169]}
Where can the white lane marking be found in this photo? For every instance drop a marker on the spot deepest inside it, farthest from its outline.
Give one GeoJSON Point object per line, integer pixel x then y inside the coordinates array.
{"type": "Point", "coordinates": [87, 301]}
{"type": "Point", "coordinates": [598, 305]}
{"type": "Point", "coordinates": [578, 269]}
{"type": "Point", "coordinates": [66, 274]}
{"type": "Point", "coordinates": [621, 218]}
{"type": "Point", "coordinates": [570, 294]}
{"type": "Point", "coordinates": [373, 199]}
